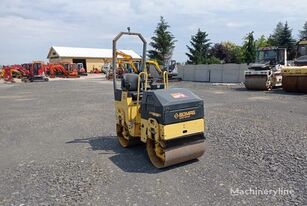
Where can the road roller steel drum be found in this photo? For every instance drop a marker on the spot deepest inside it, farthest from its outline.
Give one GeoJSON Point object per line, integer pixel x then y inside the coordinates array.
{"type": "Point", "coordinates": [295, 79]}
{"type": "Point", "coordinates": [257, 80]}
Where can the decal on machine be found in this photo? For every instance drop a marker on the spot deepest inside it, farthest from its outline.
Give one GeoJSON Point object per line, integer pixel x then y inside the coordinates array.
{"type": "Point", "coordinates": [178, 95]}
{"type": "Point", "coordinates": [184, 115]}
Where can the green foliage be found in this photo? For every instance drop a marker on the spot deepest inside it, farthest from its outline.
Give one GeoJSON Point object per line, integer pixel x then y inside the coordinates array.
{"type": "Point", "coordinates": [262, 42]}
{"type": "Point", "coordinates": [219, 51]}
{"type": "Point", "coordinates": [163, 43]}
{"type": "Point", "coordinates": [249, 48]}
{"type": "Point", "coordinates": [198, 51]}
{"type": "Point", "coordinates": [214, 60]}
{"type": "Point", "coordinates": [236, 54]}
{"type": "Point", "coordinates": [282, 37]}
{"type": "Point", "coordinates": [286, 39]}
{"type": "Point", "coordinates": [303, 33]}
{"type": "Point", "coordinates": [227, 52]}
{"type": "Point", "coordinates": [275, 37]}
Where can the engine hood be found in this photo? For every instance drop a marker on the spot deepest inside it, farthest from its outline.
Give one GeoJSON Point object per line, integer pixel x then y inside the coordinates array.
{"type": "Point", "coordinates": [258, 66]}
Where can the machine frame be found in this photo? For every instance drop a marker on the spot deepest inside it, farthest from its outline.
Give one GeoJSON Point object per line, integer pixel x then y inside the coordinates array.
{"type": "Point", "coordinates": [170, 121]}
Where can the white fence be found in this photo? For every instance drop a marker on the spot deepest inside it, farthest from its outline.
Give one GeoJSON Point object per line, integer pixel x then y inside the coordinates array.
{"type": "Point", "coordinates": [219, 73]}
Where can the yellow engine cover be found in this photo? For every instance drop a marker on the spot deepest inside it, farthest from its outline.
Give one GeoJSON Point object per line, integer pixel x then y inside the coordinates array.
{"type": "Point", "coordinates": [173, 131]}
{"type": "Point", "coordinates": [294, 71]}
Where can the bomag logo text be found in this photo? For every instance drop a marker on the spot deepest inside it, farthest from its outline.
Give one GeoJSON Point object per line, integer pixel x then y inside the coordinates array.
{"type": "Point", "coordinates": [184, 115]}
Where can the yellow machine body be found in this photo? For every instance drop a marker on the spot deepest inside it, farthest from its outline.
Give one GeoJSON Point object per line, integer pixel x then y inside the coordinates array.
{"type": "Point", "coordinates": [295, 77]}
{"type": "Point", "coordinates": [169, 121]}
{"type": "Point", "coordinates": [294, 71]}
{"type": "Point", "coordinates": [180, 140]}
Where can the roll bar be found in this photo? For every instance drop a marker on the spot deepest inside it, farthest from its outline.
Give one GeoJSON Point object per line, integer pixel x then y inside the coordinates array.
{"type": "Point", "coordinates": [115, 55]}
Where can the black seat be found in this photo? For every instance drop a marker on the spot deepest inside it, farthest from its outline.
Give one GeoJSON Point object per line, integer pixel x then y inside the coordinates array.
{"type": "Point", "coordinates": [130, 83]}
{"type": "Point", "coordinates": [134, 95]}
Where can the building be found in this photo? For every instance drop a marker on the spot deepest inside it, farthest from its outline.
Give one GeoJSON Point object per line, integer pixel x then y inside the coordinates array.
{"type": "Point", "coordinates": [90, 57]}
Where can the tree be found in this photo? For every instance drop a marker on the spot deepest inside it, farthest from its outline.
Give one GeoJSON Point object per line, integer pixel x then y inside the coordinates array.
{"type": "Point", "coordinates": [249, 48]}
{"type": "Point", "coordinates": [285, 38]}
{"type": "Point", "coordinates": [282, 37]}
{"type": "Point", "coordinates": [214, 60]}
{"type": "Point", "coordinates": [236, 54]}
{"type": "Point", "coordinates": [227, 52]}
{"type": "Point", "coordinates": [221, 52]}
{"type": "Point", "coordinates": [274, 38]}
{"type": "Point", "coordinates": [303, 33]}
{"type": "Point", "coordinates": [198, 51]}
{"type": "Point", "coordinates": [163, 43]}
{"type": "Point", "coordinates": [262, 42]}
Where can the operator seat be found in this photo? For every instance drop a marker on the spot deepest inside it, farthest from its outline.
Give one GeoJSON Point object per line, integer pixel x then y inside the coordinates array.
{"type": "Point", "coordinates": [130, 83]}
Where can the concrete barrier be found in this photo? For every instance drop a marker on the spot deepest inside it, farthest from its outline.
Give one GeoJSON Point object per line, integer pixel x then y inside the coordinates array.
{"type": "Point", "coordinates": [215, 73]}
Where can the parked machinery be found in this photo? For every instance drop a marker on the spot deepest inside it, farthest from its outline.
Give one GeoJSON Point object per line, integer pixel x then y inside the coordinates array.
{"type": "Point", "coordinates": [172, 71]}
{"type": "Point", "coordinates": [295, 77]}
{"type": "Point", "coordinates": [70, 70]}
{"type": "Point", "coordinates": [59, 70]}
{"type": "Point", "coordinates": [6, 74]}
{"type": "Point", "coordinates": [95, 71]}
{"type": "Point", "coordinates": [81, 69]}
{"type": "Point", "coordinates": [170, 121]}
{"type": "Point", "coordinates": [19, 72]}
{"type": "Point", "coordinates": [127, 65]}
{"type": "Point", "coordinates": [265, 74]}
{"type": "Point", "coordinates": [36, 70]}
{"type": "Point", "coordinates": [155, 70]}
{"type": "Point", "coordinates": [106, 67]}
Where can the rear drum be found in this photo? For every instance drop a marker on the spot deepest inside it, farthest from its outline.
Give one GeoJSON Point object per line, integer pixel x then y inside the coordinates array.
{"type": "Point", "coordinates": [289, 83]}
{"type": "Point", "coordinates": [302, 84]}
{"type": "Point", "coordinates": [124, 138]}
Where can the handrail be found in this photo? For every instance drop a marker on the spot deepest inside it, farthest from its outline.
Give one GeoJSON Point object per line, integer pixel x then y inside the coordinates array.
{"type": "Point", "coordinates": [139, 85]}
{"type": "Point", "coordinates": [165, 79]}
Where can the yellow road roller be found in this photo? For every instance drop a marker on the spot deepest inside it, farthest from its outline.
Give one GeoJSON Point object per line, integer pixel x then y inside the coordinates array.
{"type": "Point", "coordinates": [265, 74]}
{"type": "Point", "coordinates": [170, 121]}
{"type": "Point", "coordinates": [294, 78]}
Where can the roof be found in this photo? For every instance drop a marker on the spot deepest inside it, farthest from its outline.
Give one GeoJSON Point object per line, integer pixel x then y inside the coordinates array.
{"type": "Point", "coordinates": [77, 52]}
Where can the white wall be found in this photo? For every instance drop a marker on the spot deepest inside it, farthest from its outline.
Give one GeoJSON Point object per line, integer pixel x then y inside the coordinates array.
{"type": "Point", "coordinates": [227, 73]}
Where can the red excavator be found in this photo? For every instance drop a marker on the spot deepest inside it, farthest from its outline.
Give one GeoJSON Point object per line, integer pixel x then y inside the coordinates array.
{"type": "Point", "coordinates": [6, 74]}
{"type": "Point", "coordinates": [72, 69]}
{"type": "Point", "coordinates": [60, 71]}
{"type": "Point", "coordinates": [26, 72]}
{"type": "Point", "coordinates": [36, 71]}
{"type": "Point", "coordinates": [19, 72]}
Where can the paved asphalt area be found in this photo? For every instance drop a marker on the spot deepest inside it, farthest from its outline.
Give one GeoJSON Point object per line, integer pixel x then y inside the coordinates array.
{"type": "Point", "coordinates": [58, 147]}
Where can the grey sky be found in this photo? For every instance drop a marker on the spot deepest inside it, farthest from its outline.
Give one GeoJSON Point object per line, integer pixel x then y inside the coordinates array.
{"type": "Point", "coordinates": [29, 28]}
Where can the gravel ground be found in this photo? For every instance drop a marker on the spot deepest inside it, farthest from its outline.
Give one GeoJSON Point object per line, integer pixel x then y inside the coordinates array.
{"type": "Point", "coordinates": [58, 147]}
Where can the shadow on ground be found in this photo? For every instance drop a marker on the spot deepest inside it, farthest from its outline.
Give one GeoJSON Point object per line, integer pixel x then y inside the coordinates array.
{"type": "Point", "coordinates": [133, 160]}
{"type": "Point", "coordinates": [273, 91]}
{"type": "Point", "coordinates": [282, 92]}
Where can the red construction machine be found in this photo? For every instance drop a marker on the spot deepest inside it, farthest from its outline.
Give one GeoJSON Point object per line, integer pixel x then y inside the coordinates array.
{"type": "Point", "coordinates": [65, 70]}
{"type": "Point", "coordinates": [19, 72]}
{"type": "Point", "coordinates": [6, 74]}
{"type": "Point", "coordinates": [36, 71]}
{"type": "Point", "coordinates": [81, 69]}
